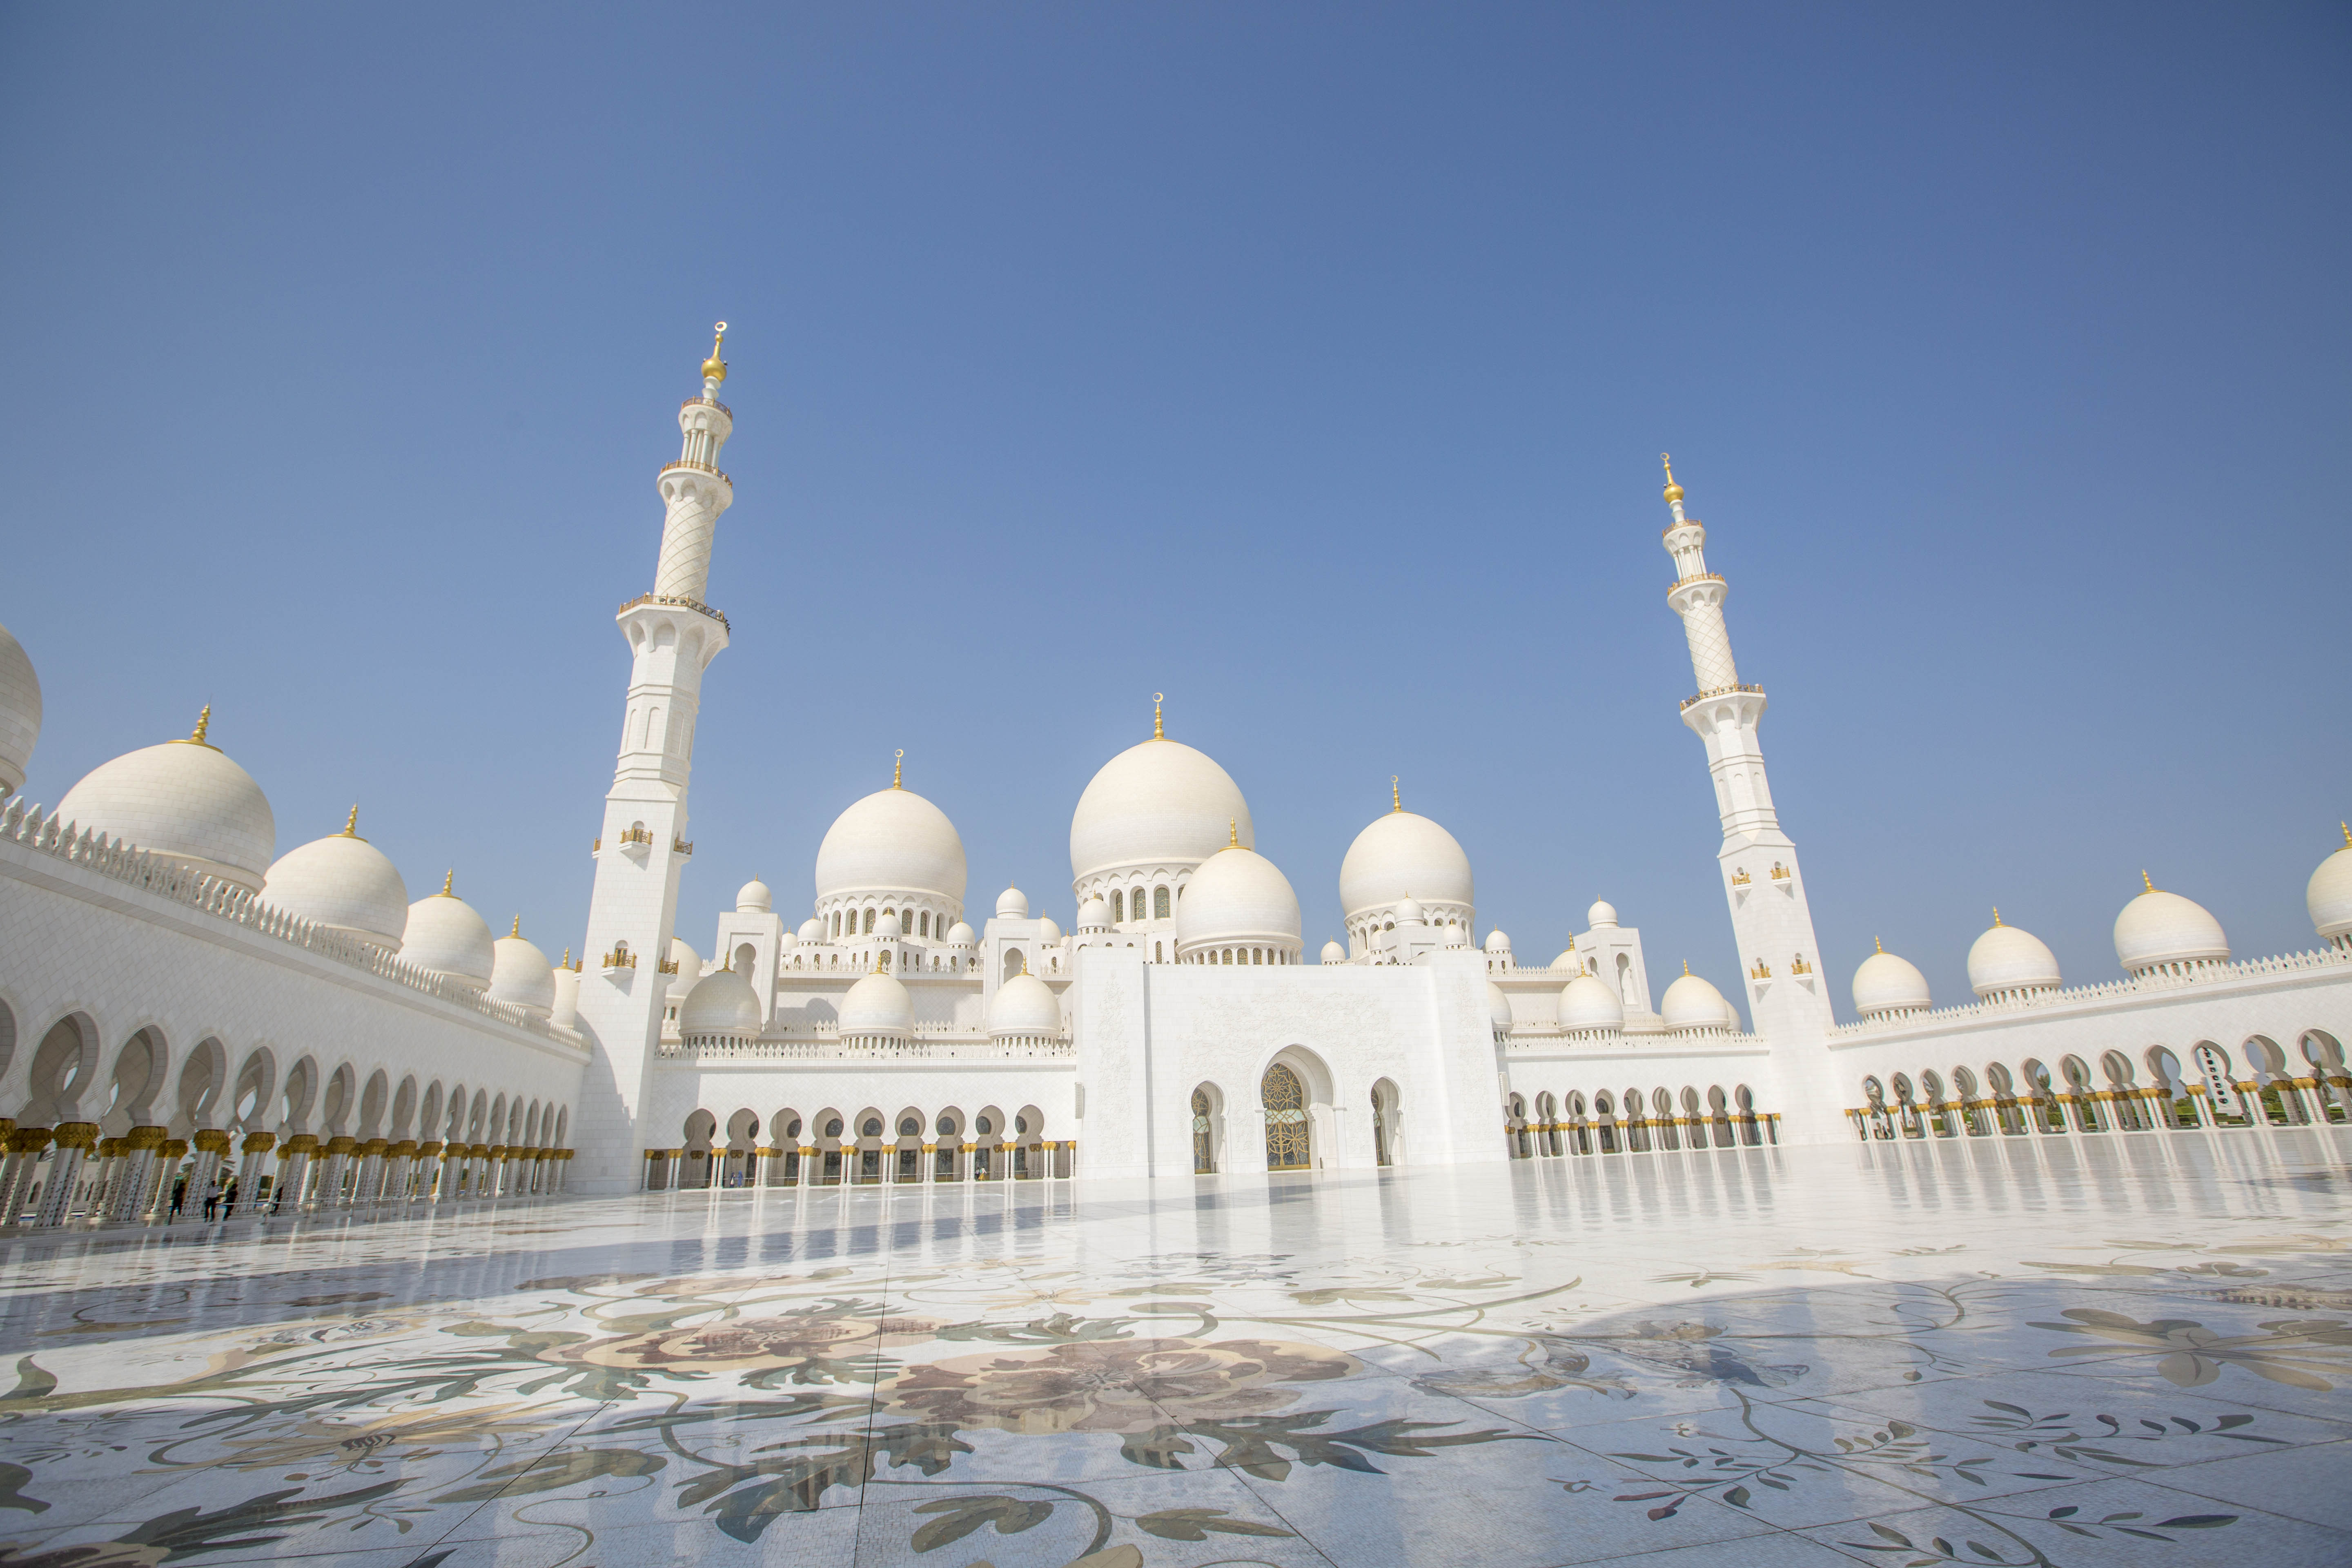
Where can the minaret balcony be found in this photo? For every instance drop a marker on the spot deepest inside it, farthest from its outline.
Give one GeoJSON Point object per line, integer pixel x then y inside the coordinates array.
{"type": "Point", "coordinates": [1690, 702]}
{"type": "Point", "coordinates": [697, 605]}
{"type": "Point", "coordinates": [707, 403]}
{"type": "Point", "coordinates": [711, 468]}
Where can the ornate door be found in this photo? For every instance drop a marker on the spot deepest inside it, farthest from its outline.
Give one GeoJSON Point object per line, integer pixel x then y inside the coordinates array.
{"type": "Point", "coordinates": [1203, 1153]}
{"type": "Point", "coordinates": [1285, 1120]}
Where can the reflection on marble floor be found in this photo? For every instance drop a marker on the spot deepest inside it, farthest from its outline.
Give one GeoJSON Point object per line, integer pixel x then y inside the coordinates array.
{"type": "Point", "coordinates": [2078, 1351]}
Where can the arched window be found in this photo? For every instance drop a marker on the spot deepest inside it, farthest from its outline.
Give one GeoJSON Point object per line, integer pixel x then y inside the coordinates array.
{"type": "Point", "coordinates": [1160, 903]}
{"type": "Point", "coordinates": [836, 923]}
{"type": "Point", "coordinates": [1118, 907]}
{"type": "Point", "coordinates": [869, 923]}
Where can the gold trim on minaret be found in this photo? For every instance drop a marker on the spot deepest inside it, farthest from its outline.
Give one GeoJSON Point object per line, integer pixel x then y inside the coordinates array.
{"type": "Point", "coordinates": [1673, 491]}
{"type": "Point", "coordinates": [714, 368]}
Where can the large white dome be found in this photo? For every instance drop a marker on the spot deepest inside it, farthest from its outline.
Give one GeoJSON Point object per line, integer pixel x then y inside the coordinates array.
{"type": "Point", "coordinates": [2328, 895]}
{"type": "Point", "coordinates": [182, 801]}
{"type": "Point", "coordinates": [520, 973]}
{"type": "Point", "coordinates": [2007, 959]}
{"type": "Point", "coordinates": [1690, 1003]}
{"type": "Point", "coordinates": [20, 714]}
{"type": "Point", "coordinates": [2158, 928]}
{"type": "Point", "coordinates": [1403, 856]}
{"type": "Point", "coordinates": [1587, 1001]}
{"type": "Point", "coordinates": [345, 883]}
{"type": "Point", "coordinates": [722, 1003]}
{"type": "Point", "coordinates": [1025, 1005]}
{"type": "Point", "coordinates": [565, 1011]}
{"type": "Point", "coordinates": [1237, 897]}
{"type": "Point", "coordinates": [893, 841]}
{"type": "Point", "coordinates": [878, 1005]}
{"type": "Point", "coordinates": [1886, 984]}
{"type": "Point", "coordinates": [444, 935]}
{"type": "Point", "coordinates": [1159, 804]}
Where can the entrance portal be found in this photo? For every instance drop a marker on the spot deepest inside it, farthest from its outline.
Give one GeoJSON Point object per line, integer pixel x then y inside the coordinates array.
{"type": "Point", "coordinates": [1285, 1120]}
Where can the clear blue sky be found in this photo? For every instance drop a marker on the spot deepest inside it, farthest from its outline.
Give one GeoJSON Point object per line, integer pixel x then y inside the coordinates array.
{"type": "Point", "coordinates": [1309, 364]}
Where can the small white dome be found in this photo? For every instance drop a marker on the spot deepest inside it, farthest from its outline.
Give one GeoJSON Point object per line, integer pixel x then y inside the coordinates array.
{"type": "Point", "coordinates": [754, 898]}
{"type": "Point", "coordinates": [812, 930]}
{"type": "Point", "coordinates": [1047, 932]}
{"type": "Point", "coordinates": [1025, 1005]}
{"type": "Point", "coordinates": [565, 1011]}
{"type": "Point", "coordinates": [1886, 984]}
{"type": "Point", "coordinates": [1568, 960]}
{"type": "Point", "coordinates": [444, 934]}
{"type": "Point", "coordinates": [1408, 912]}
{"type": "Point", "coordinates": [520, 973]}
{"type": "Point", "coordinates": [181, 800]}
{"type": "Point", "coordinates": [2158, 927]}
{"type": "Point", "coordinates": [1094, 914]}
{"type": "Point", "coordinates": [1588, 1003]}
{"type": "Point", "coordinates": [345, 883]}
{"type": "Point", "coordinates": [2328, 895]}
{"type": "Point", "coordinates": [20, 714]}
{"type": "Point", "coordinates": [1399, 855]}
{"type": "Point", "coordinates": [878, 1005]}
{"type": "Point", "coordinates": [1237, 896]}
{"type": "Point", "coordinates": [689, 966]}
{"type": "Point", "coordinates": [1013, 904]}
{"type": "Point", "coordinates": [1160, 804]}
{"type": "Point", "coordinates": [893, 841]}
{"type": "Point", "coordinates": [887, 929]}
{"type": "Point", "coordinates": [1334, 953]}
{"type": "Point", "coordinates": [961, 935]}
{"type": "Point", "coordinates": [1603, 913]}
{"type": "Point", "coordinates": [1498, 941]}
{"type": "Point", "coordinates": [1498, 1008]}
{"type": "Point", "coordinates": [2007, 959]}
{"type": "Point", "coordinates": [722, 1003]}
{"type": "Point", "coordinates": [1690, 1003]}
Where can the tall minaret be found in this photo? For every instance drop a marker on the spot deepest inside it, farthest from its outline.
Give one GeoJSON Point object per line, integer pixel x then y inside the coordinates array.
{"type": "Point", "coordinates": [673, 636]}
{"type": "Point", "coordinates": [1787, 995]}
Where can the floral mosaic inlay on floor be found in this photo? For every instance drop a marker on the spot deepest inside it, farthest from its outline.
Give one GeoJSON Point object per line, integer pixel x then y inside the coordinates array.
{"type": "Point", "coordinates": [2094, 1351]}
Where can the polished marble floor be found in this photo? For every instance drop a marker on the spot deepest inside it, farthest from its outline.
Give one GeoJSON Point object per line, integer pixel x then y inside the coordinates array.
{"type": "Point", "coordinates": [2081, 1350]}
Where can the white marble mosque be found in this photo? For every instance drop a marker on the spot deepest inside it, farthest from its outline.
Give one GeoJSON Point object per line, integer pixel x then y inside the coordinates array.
{"type": "Point", "coordinates": [335, 1227]}
{"type": "Point", "coordinates": [180, 1002]}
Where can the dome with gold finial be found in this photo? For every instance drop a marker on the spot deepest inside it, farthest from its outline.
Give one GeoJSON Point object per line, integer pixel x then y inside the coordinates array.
{"type": "Point", "coordinates": [1888, 983]}
{"type": "Point", "coordinates": [520, 973]}
{"type": "Point", "coordinates": [2006, 962]}
{"type": "Point", "coordinates": [2328, 896]}
{"type": "Point", "coordinates": [2161, 930]}
{"type": "Point", "coordinates": [343, 883]}
{"type": "Point", "coordinates": [444, 935]}
{"type": "Point", "coordinates": [181, 800]}
{"type": "Point", "coordinates": [1158, 805]}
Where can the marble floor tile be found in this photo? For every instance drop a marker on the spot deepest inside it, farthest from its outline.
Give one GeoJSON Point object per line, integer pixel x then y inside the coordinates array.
{"type": "Point", "coordinates": [1353, 1368]}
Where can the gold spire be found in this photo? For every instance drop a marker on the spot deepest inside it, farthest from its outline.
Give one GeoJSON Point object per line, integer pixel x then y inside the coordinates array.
{"type": "Point", "coordinates": [1673, 491]}
{"type": "Point", "coordinates": [2346, 827]}
{"type": "Point", "coordinates": [567, 957]}
{"type": "Point", "coordinates": [1878, 944]}
{"type": "Point", "coordinates": [517, 928]}
{"type": "Point", "coordinates": [898, 761]}
{"type": "Point", "coordinates": [448, 881]}
{"type": "Point", "coordinates": [1996, 914]}
{"type": "Point", "coordinates": [1024, 963]}
{"type": "Point", "coordinates": [2145, 883]}
{"type": "Point", "coordinates": [351, 827]}
{"type": "Point", "coordinates": [714, 368]}
{"type": "Point", "coordinates": [203, 722]}
{"type": "Point", "coordinates": [1233, 833]}
{"type": "Point", "coordinates": [1685, 966]}
{"type": "Point", "coordinates": [1159, 733]}
{"type": "Point", "coordinates": [1396, 801]}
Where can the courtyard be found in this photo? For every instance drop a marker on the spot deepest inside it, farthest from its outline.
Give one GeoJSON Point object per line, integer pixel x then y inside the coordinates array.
{"type": "Point", "coordinates": [2081, 1350]}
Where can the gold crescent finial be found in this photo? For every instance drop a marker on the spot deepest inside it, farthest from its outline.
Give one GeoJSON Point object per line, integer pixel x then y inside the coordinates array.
{"type": "Point", "coordinates": [898, 761]}
{"type": "Point", "coordinates": [448, 881]}
{"type": "Point", "coordinates": [351, 827]}
{"type": "Point", "coordinates": [1158, 733]}
{"type": "Point", "coordinates": [714, 368]}
{"type": "Point", "coordinates": [1396, 801]}
{"type": "Point", "coordinates": [1673, 491]}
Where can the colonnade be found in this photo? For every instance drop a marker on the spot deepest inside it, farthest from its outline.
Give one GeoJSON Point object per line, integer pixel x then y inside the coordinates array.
{"type": "Point", "coordinates": [52, 1176]}
{"type": "Point", "coordinates": [863, 1163]}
